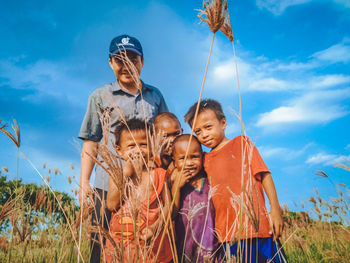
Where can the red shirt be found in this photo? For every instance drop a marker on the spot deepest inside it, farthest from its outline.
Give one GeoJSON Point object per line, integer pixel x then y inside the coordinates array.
{"type": "Point", "coordinates": [122, 224]}
{"type": "Point", "coordinates": [235, 193]}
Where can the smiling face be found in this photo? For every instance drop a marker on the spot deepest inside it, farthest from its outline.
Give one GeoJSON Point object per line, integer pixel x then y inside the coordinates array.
{"type": "Point", "coordinates": [128, 144]}
{"type": "Point", "coordinates": [193, 164]}
{"type": "Point", "coordinates": [120, 68]}
{"type": "Point", "coordinates": [209, 130]}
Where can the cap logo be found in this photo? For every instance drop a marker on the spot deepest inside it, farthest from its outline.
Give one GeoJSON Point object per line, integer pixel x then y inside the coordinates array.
{"type": "Point", "coordinates": [125, 42]}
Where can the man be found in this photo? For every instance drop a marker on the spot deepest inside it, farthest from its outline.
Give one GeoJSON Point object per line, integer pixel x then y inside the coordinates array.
{"type": "Point", "coordinates": [135, 99]}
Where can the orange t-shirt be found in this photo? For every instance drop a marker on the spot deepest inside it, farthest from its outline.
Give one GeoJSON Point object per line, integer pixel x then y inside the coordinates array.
{"type": "Point", "coordinates": [234, 191]}
{"type": "Point", "coordinates": [126, 221]}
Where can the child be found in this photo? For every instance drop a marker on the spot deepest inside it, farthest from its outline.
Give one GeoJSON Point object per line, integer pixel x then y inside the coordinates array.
{"type": "Point", "coordinates": [194, 224]}
{"type": "Point", "coordinates": [167, 124]}
{"type": "Point", "coordinates": [241, 219]}
{"type": "Point", "coordinates": [139, 208]}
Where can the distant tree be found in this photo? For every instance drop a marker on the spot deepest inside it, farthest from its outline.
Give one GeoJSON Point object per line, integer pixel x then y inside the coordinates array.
{"type": "Point", "coordinates": [37, 199]}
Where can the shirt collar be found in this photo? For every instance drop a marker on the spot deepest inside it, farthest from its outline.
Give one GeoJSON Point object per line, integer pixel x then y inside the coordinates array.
{"type": "Point", "coordinates": [116, 88]}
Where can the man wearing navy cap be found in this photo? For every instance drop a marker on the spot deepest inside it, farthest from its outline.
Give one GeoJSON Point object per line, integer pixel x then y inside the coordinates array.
{"type": "Point", "coordinates": [126, 94]}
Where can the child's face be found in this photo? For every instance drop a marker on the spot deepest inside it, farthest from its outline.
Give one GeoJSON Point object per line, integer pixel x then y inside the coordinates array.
{"type": "Point", "coordinates": [193, 164]}
{"type": "Point", "coordinates": [127, 144]}
{"type": "Point", "coordinates": [209, 130]}
{"type": "Point", "coordinates": [170, 128]}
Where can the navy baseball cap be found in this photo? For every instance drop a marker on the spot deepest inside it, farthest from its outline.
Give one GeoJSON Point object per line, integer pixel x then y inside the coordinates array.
{"type": "Point", "coordinates": [125, 42]}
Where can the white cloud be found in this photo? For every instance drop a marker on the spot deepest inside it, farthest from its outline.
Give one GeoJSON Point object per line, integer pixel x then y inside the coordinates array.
{"type": "Point", "coordinates": [282, 153]}
{"type": "Point", "coordinates": [267, 77]}
{"type": "Point", "coordinates": [336, 53]}
{"type": "Point", "coordinates": [277, 7]}
{"type": "Point", "coordinates": [256, 74]}
{"type": "Point", "coordinates": [313, 107]}
{"type": "Point", "coordinates": [328, 81]}
{"type": "Point", "coordinates": [327, 159]}
{"type": "Point", "coordinates": [268, 84]}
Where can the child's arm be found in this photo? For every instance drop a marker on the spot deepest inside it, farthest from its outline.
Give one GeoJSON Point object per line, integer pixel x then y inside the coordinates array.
{"type": "Point", "coordinates": [276, 212]}
{"type": "Point", "coordinates": [113, 196]}
{"type": "Point", "coordinates": [180, 182]}
{"type": "Point", "coordinates": [147, 233]}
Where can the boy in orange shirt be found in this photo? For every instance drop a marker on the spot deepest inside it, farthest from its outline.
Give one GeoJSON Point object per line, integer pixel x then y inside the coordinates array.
{"type": "Point", "coordinates": [240, 175]}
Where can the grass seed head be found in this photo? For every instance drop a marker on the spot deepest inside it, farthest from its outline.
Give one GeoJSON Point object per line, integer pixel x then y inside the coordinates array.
{"type": "Point", "coordinates": [226, 28]}
{"type": "Point", "coordinates": [39, 200]}
{"type": "Point", "coordinates": [15, 138]}
{"type": "Point", "coordinates": [312, 200]}
{"type": "Point", "coordinates": [321, 173]}
{"type": "Point", "coordinates": [213, 14]}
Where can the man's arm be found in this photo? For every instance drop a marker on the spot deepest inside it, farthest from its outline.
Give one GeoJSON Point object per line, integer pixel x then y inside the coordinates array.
{"type": "Point", "coordinates": [276, 212]}
{"type": "Point", "coordinates": [86, 165]}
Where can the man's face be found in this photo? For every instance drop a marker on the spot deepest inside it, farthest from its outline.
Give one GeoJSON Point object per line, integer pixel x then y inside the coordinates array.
{"type": "Point", "coordinates": [193, 164]}
{"type": "Point", "coordinates": [120, 68]}
{"type": "Point", "coordinates": [133, 143]}
{"type": "Point", "coordinates": [209, 130]}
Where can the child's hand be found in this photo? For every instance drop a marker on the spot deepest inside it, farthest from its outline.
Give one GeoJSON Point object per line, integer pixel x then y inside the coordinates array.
{"type": "Point", "coordinates": [134, 164]}
{"type": "Point", "coordinates": [128, 169]}
{"type": "Point", "coordinates": [277, 222]}
{"type": "Point", "coordinates": [181, 180]}
{"type": "Point", "coordinates": [146, 234]}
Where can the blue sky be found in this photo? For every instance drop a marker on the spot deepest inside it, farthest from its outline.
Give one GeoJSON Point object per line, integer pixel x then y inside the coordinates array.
{"type": "Point", "coordinates": [293, 62]}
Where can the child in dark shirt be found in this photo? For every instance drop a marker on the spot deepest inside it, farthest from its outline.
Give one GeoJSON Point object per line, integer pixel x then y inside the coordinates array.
{"type": "Point", "coordinates": [194, 223]}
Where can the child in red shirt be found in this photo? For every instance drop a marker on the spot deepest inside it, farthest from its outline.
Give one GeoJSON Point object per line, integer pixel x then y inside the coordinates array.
{"type": "Point", "coordinates": [140, 208]}
{"type": "Point", "coordinates": [240, 175]}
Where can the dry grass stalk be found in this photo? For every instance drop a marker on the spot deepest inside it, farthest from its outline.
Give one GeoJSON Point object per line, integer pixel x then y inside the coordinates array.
{"type": "Point", "coordinates": [15, 138]}
{"type": "Point", "coordinates": [116, 256]}
{"type": "Point", "coordinates": [106, 124]}
{"type": "Point", "coordinates": [213, 14]}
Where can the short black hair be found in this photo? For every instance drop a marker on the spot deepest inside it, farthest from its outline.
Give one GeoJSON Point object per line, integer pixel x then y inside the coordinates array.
{"type": "Point", "coordinates": [185, 137]}
{"type": "Point", "coordinates": [134, 124]}
{"type": "Point", "coordinates": [206, 104]}
{"type": "Point", "coordinates": [167, 115]}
